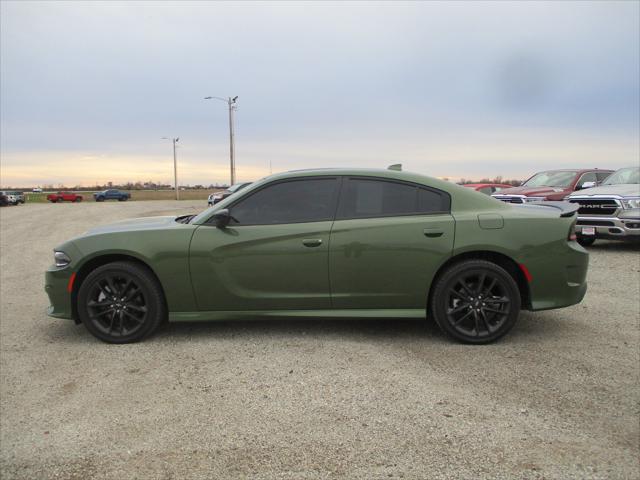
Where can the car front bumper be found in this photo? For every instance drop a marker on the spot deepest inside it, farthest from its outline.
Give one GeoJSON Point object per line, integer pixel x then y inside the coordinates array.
{"type": "Point", "coordinates": [622, 227]}
{"type": "Point", "coordinates": [56, 283]}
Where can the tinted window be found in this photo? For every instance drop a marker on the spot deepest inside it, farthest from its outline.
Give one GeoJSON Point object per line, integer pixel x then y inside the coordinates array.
{"type": "Point", "coordinates": [487, 190]}
{"type": "Point", "coordinates": [602, 175]}
{"type": "Point", "coordinates": [363, 198]}
{"type": "Point", "coordinates": [288, 202]}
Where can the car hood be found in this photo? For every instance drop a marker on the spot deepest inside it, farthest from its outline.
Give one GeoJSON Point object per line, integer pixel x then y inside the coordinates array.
{"type": "Point", "coordinates": [531, 191]}
{"type": "Point", "coordinates": [144, 223]}
{"type": "Point", "coordinates": [623, 190]}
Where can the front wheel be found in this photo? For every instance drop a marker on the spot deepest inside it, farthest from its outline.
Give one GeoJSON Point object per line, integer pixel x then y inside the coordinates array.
{"type": "Point", "coordinates": [121, 302]}
{"type": "Point", "coordinates": [586, 241]}
{"type": "Point", "coordinates": [475, 301]}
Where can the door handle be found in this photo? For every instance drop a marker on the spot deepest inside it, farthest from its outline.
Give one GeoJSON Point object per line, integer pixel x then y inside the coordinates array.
{"type": "Point", "coordinates": [312, 242]}
{"type": "Point", "coordinates": [433, 232]}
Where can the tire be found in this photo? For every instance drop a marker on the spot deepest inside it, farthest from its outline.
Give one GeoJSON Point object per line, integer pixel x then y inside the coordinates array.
{"type": "Point", "coordinates": [475, 301]}
{"type": "Point", "coordinates": [586, 241]}
{"type": "Point", "coordinates": [99, 199]}
{"type": "Point", "coordinates": [53, 200]}
{"type": "Point", "coordinates": [78, 199]}
{"type": "Point", "coordinates": [110, 318]}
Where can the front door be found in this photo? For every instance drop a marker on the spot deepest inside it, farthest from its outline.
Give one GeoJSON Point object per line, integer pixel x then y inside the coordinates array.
{"type": "Point", "coordinates": [274, 253]}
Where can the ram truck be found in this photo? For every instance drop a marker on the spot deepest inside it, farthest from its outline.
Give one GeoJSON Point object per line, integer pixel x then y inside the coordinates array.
{"type": "Point", "coordinates": [552, 185]}
{"type": "Point", "coordinates": [610, 211]}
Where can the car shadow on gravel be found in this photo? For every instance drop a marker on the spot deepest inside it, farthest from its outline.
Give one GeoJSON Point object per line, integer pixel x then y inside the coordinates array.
{"type": "Point", "coordinates": [530, 327]}
{"type": "Point", "coordinates": [613, 246]}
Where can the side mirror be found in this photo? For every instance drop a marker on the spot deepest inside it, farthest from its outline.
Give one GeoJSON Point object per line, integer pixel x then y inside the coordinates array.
{"type": "Point", "coordinates": [586, 185]}
{"type": "Point", "coordinates": [221, 218]}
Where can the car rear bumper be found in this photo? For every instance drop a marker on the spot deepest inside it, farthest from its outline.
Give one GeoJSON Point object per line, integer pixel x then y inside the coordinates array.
{"type": "Point", "coordinates": [559, 279]}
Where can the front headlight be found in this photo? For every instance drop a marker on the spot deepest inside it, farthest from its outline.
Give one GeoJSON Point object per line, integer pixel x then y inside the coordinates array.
{"type": "Point", "coordinates": [61, 259]}
{"type": "Point", "coordinates": [631, 202]}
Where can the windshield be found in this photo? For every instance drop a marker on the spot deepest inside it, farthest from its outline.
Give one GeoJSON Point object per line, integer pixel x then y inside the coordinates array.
{"type": "Point", "coordinates": [629, 175]}
{"type": "Point", "coordinates": [551, 179]}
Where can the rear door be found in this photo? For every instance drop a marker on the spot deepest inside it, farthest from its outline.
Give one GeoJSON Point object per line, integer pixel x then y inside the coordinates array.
{"type": "Point", "coordinates": [274, 254]}
{"type": "Point", "coordinates": [387, 242]}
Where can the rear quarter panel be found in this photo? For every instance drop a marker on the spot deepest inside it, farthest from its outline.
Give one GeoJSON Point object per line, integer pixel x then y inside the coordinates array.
{"type": "Point", "coordinates": [536, 238]}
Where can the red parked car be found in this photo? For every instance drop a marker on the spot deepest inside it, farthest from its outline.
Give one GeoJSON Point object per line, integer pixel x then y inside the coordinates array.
{"type": "Point", "coordinates": [64, 197]}
{"type": "Point", "coordinates": [553, 185]}
{"type": "Point", "coordinates": [487, 188]}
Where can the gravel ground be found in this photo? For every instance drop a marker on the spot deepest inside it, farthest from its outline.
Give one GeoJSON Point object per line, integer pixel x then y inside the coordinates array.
{"type": "Point", "coordinates": [298, 399]}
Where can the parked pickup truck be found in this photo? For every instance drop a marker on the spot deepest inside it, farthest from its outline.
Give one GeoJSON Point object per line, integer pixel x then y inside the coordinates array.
{"type": "Point", "coordinates": [611, 210]}
{"type": "Point", "coordinates": [64, 197]}
{"type": "Point", "coordinates": [552, 185]}
{"type": "Point", "coordinates": [111, 195]}
{"type": "Point", "coordinates": [13, 198]}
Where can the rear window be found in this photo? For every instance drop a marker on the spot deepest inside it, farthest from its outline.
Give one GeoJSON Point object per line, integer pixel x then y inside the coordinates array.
{"type": "Point", "coordinates": [366, 198]}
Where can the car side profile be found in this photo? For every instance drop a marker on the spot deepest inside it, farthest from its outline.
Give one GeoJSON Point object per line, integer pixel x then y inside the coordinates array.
{"type": "Point", "coordinates": [64, 197]}
{"type": "Point", "coordinates": [111, 194]}
{"type": "Point", "coordinates": [13, 198]}
{"type": "Point", "coordinates": [326, 243]}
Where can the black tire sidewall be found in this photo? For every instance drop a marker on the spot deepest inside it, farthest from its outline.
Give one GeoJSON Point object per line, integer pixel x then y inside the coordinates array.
{"type": "Point", "coordinates": [156, 311]}
{"type": "Point", "coordinates": [585, 241]}
{"type": "Point", "coordinates": [447, 280]}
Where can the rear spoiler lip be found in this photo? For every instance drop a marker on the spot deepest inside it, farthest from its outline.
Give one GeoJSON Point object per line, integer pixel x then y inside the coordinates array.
{"type": "Point", "coordinates": [566, 209]}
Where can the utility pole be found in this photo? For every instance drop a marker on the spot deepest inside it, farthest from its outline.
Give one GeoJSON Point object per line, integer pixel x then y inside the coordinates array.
{"type": "Point", "coordinates": [175, 165]}
{"type": "Point", "coordinates": [175, 168]}
{"type": "Point", "coordinates": [231, 102]}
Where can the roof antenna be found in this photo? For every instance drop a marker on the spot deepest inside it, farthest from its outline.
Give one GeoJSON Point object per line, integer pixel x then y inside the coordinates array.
{"type": "Point", "coordinates": [396, 166]}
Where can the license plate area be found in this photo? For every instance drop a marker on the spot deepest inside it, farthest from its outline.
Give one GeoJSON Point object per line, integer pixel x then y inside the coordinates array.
{"type": "Point", "coordinates": [588, 231]}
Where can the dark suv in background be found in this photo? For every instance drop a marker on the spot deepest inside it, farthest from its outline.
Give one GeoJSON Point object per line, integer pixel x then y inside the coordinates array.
{"type": "Point", "coordinates": [553, 185]}
{"type": "Point", "coordinates": [111, 195]}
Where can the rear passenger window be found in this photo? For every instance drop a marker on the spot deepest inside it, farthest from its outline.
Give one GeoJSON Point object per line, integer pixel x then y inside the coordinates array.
{"type": "Point", "coordinates": [366, 198]}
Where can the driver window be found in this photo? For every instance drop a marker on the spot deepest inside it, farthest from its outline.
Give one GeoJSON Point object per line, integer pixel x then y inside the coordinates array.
{"type": "Point", "coordinates": [294, 201]}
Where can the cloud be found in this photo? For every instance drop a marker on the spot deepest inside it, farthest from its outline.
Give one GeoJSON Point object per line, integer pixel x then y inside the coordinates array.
{"type": "Point", "coordinates": [318, 83]}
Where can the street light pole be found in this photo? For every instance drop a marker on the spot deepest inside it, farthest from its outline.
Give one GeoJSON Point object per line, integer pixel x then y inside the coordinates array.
{"type": "Point", "coordinates": [231, 102]}
{"type": "Point", "coordinates": [175, 165]}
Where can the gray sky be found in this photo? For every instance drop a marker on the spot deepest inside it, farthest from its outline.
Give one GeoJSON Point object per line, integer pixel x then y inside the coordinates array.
{"type": "Point", "coordinates": [448, 89]}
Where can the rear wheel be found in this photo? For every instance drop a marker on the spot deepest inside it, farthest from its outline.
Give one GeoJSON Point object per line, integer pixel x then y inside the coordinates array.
{"type": "Point", "coordinates": [475, 301]}
{"type": "Point", "coordinates": [121, 302]}
{"type": "Point", "coordinates": [586, 241]}
{"type": "Point", "coordinates": [78, 199]}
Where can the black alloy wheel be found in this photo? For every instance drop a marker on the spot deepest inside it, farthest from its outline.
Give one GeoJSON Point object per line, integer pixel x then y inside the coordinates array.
{"type": "Point", "coordinates": [586, 241]}
{"type": "Point", "coordinates": [476, 301]}
{"type": "Point", "coordinates": [121, 302]}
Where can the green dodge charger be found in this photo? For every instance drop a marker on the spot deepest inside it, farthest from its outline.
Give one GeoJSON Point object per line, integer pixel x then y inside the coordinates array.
{"type": "Point", "coordinates": [326, 243]}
